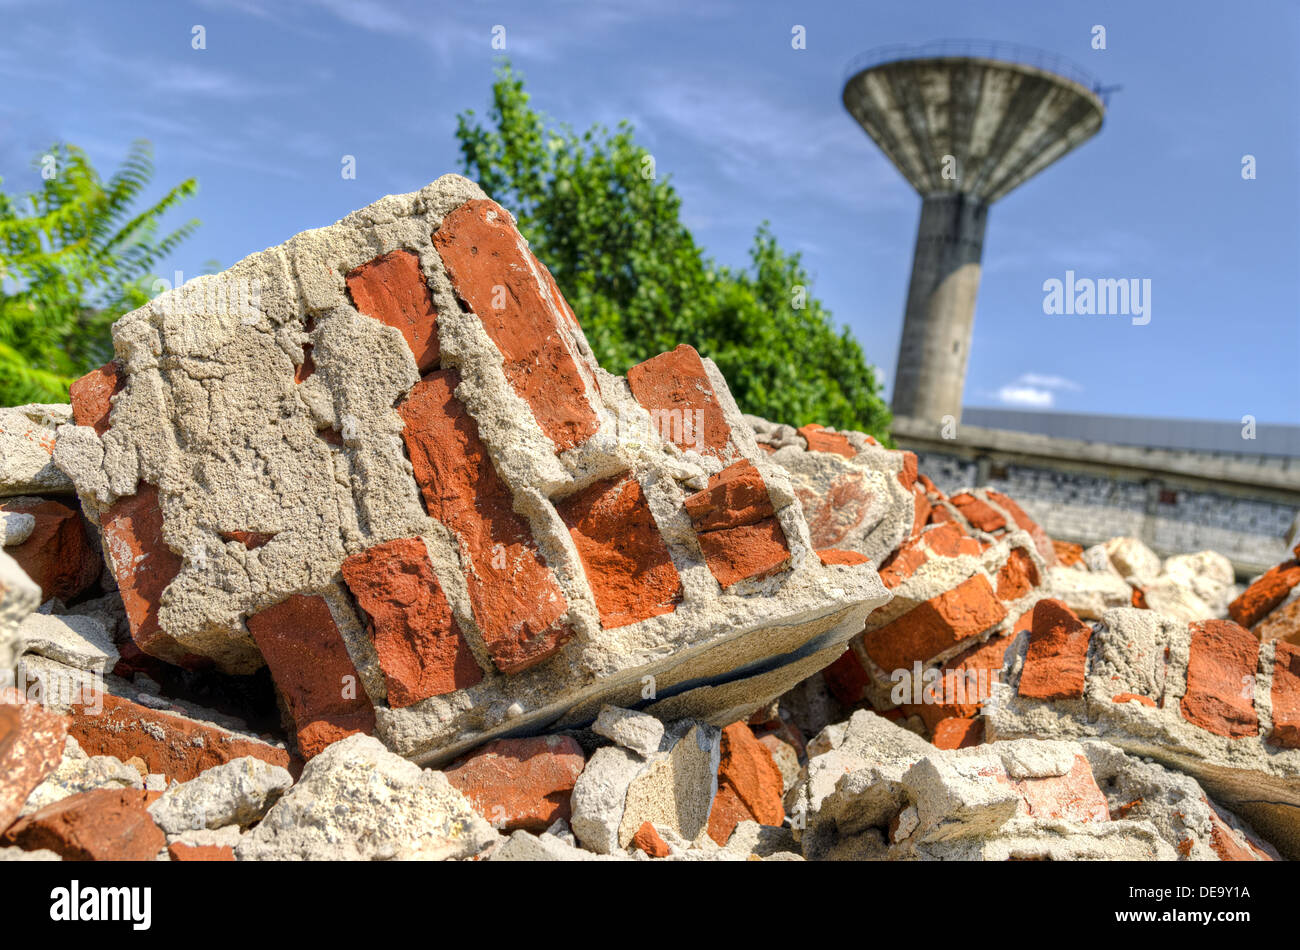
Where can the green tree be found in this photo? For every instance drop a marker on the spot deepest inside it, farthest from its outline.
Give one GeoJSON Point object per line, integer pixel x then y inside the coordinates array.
{"type": "Point", "coordinates": [596, 211]}
{"type": "Point", "coordinates": [74, 257]}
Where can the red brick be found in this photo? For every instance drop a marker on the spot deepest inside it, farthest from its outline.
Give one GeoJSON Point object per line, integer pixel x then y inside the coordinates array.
{"type": "Point", "coordinates": [1068, 554]}
{"type": "Point", "coordinates": [939, 514]}
{"type": "Point", "coordinates": [965, 682]}
{"type": "Point", "coordinates": [953, 733]}
{"type": "Point", "coordinates": [1286, 697]}
{"type": "Point", "coordinates": [1257, 600]}
{"type": "Point", "coordinates": [674, 388]}
{"type": "Point", "coordinates": [144, 565]}
{"type": "Point", "coordinates": [252, 540]}
{"type": "Point", "coordinates": [1057, 657]}
{"type": "Point", "coordinates": [1228, 844]}
{"type": "Point", "coordinates": [843, 507]}
{"type": "Point", "coordinates": [1220, 670]}
{"type": "Point", "coordinates": [392, 290]}
{"type": "Point", "coordinates": [489, 263]}
{"type": "Point", "coordinates": [846, 679]}
{"type": "Point", "coordinates": [520, 783]}
{"type": "Point", "coordinates": [106, 824]}
{"type": "Point", "coordinates": [1046, 546]}
{"type": "Point", "coordinates": [631, 574]}
{"type": "Point", "coordinates": [949, 540]}
{"type": "Point", "coordinates": [420, 647]}
{"type": "Point", "coordinates": [516, 601]}
{"type": "Point", "coordinates": [907, 475]}
{"type": "Point", "coordinates": [832, 556]}
{"type": "Point", "coordinates": [752, 782]}
{"type": "Point", "coordinates": [31, 746]}
{"type": "Point", "coordinates": [1017, 576]}
{"type": "Point", "coordinates": [820, 440]}
{"type": "Point", "coordinates": [1070, 797]}
{"type": "Point", "coordinates": [903, 563]}
{"type": "Point", "coordinates": [1282, 624]}
{"type": "Point", "coordinates": [937, 625]}
{"type": "Point", "coordinates": [312, 670]}
{"type": "Point", "coordinates": [179, 851]}
{"type": "Point", "coordinates": [920, 512]}
{"type": "Point", "coordinates": [1133, 697]}
{"type": "Point", "coordinates": [978, 513]}
{"type": "Point", "coordinates": [169, 745]}
{"type": "Point", "coordinates": [91, 396]}
{"type": "Point", "coordinates": [648, 840]}
{"type": "Point", "coordinates": [748, 552]}
{"type": "Point", "coordinates": [735, 496]}
{"type": "Point", "coordinates": [57, 555]}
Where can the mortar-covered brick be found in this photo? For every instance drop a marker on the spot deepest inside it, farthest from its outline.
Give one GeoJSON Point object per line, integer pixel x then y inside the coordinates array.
{"type": "Point", "coordinates": [1282, 624]}
{"type": "Point", "coordinates": [1068, 553]}
{"type": "Point", "coordinates": [180, 851]}
{"type": "Point", "coordinates": [517, 603]}
{"type": "Point", "coordinates": [1046, 547]}
{"type": "Point", "coordinates": [738, 532]}
{"type": "Point", "coordinates": [675, 389]}
{"type": "Point", "coordinates": [1073, 796]}
{"type": "Point", "coordinates": [420, 647]}
{"type": "Point", "coordinates": [1286, 696]}
{"type": "Point", "coordinates": [92, 395]}
{"type": "Point", "coordinates": [978, 512]}
{"type": "Point", "coordinates": [31, 746]}
{"type": "Point", "coordinates": [821, 439]}
{"type": "Point", "coordinates": [1017, 576]}
{"type": "Point", "coordinates": [176, 747]}
{"type": "Point", "coordinates": [939, 624]}
{"type": "Point", "coordinates": [648, 840]}
{"type": "Point", "coordinates": [392, 289]}
{"type": "Point", "coordinates": [493, 272]}
{"type": "Point", "coordinates": [1058, 653]}
{"type": "Point", "coordinates": [736, 496]}
{"type": "Point", "coordinates": [963, 683]}
{"type": "Point", "coordinates": [1220, 679]}
{"type": "Point", "coordinates": [143, 565]}
{"type": "Point", "coordinates": [106, 824]}
{"type": "Point", "coordinates": [830, 556]}
{"type": "Point", "coordinates": [520, 783]}
{"type": "Point", "coordinates": [312, 671]}
{"type": "Point", "coordinates": [749, 784]}
{"type": "Point", "coordinates": [833, 515]}
{"type": "Point", "coordinates": [1257, 600]}
{"type": "Point", "coordinates": [57, 554]}
{"type": "Point", "coordinates": [954, 733]}
{"type": "Point", "coordinates": [628, 566]}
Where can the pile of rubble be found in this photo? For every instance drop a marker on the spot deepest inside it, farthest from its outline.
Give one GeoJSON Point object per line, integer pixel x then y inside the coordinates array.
{"type": "Point", "coordinates": [384, 566]}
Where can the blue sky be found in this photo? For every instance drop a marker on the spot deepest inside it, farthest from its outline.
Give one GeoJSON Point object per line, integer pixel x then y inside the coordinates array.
{"type": "Point", "coordinates": [749, 129]}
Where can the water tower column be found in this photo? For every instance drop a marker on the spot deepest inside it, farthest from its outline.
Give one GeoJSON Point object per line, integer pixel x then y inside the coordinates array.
{"type": "Point", "coordinates": [940, 312]}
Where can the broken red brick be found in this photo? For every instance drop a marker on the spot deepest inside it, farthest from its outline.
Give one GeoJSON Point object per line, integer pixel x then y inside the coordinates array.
{"type": "Point", "coordinates": [978, 513]}
{"type": "Point", "coordinates": [735, 496]}
{"type": "Point", "coordinates": [174, 746]}
{"type": "Point", "coordinates": [1046, 546]}
{"type": "Point", "coordinates": [949, 540]}
{"type": "Point", "coordinates": [492, 270]}
{"type": "Point", "coordinates": [1133, 697]}
{"type": "Point", "coordinates": [420, 647]}
{"type": "Point", "coordinates": [1257, 600]}
{"type": "Point", "coordinates": [820, 439]}
{"type": "Point", "coordinates": [57, 555]}
{"type": "Point", "coordinates": [1017, 576]}
{"type": "Point", "coordinates": [1074, 796]}
{"type": "Point", "coordinates": [520, 783]}
{"type": "Point", "coordinates": [830, 556]}
{"type": "Point", "coordinates": [1220, 679]}
{"type": "Point", "coordinates": [31, 747]}
{"type": "Point", "coordinates": [313, 672]}
{"type": "Point", "coordinates": [1228, 844]}
{"type": "Point", "coordinates": [92, 395]}
{"type": "Point", "coordinates": [965, 682]}
{"type": "Point", "coordinates": [675, 389]}
{"type": "Point", "coordinates": [844, 506]}
{"type": "Point", "coordinates": [1286, 696]}
{"type": "Point", "coordinates": [392, 290]}
{"type": "Point", "coordinates": [740, 537]}
{"type": "Point", "coordinates": [953, 733]}
{"type": "Point", "coordinates": [1282, 624]}
{"type": "Point", "coordinates": [631, 574]}
{"type": "Point", "coordinates": [179, 851]}
{"type": "Point", "coordinates": [252, 540]}
{"type": "Point", "coordinates": [1068, 554]}
{"type": "Point", "coordinates": [846, 678]}
{"type": "Point", "coordinates": [648, 840]}
{"type": "Point", "coordinates": [942, 622]}
{"type": "Point", "coordinates": [106, 824]}
{"type": "Point", "coordinates": [907, 475]}
{"type": "Point", "coordinates": [1057, 657]}
{"type": "Point", "coordinates": [516, 601]}
{"type": "Point", "coordinates": [749, 784]}
{"type": "Point", "coordinates": [144, 565]}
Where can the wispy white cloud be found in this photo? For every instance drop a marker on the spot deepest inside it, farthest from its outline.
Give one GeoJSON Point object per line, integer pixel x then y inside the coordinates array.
{"type": "Point", "coordinates": [1035, 390]}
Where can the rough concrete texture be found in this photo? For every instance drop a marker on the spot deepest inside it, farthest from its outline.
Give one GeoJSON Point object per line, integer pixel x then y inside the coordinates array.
{"type": "Point", "coordinates": [1199, 698]}
{"type": "Point", "coordinates": [27, 437]}
{"type": "Point", "coordinates": [75, 640]}
{"type": "Point", "coordinates": [78, 772]}
{"type": "Point", "coordinates": [19, 596]}
{"type": "Point", "coordinates": [408, 400]}
{"type": "Point", "coordinates": [358, 801]}
{"type": "Point", "coordinates": [237, 793]}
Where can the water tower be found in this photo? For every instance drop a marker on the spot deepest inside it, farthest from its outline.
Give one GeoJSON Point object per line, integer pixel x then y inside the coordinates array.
{"type": "Point", "coordinates": [965, 123]}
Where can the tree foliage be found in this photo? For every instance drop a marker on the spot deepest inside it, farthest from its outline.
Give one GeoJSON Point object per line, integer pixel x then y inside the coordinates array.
{"type": "Point", "coordinates": [75, 256]}
{"type": "Point", "coordinates": [609, 227]}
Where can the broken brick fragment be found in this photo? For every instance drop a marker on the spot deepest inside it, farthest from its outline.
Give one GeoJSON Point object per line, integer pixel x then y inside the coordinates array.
{"type": "Point", "coordinates": [749, 784]}
{"type": "Point", "coordinates": [829, 556]}
{"type": "Point", "coordinates": [627, 564]}
{"type": "Point", "coordinates": [737, 529]}
{"type": "Point", "coordinates": [1286, 697]}
{"type": "Point", "coordinates": [492, 270]}
{"type": "Point", "coordinates": [675, 389]}
{"type": "Point", "coordinates": [931, 628]}
{"type": "Point", "coordinates": [837, 511]}
{"type": "Point", "coordinates": [91, 396]}
{"type": "Point", "coordinates": [420, 647]}
{"type": "Point", "coordinates": [180, 851]}
{"type": "Point", "coordinates": [313, 672]}
{"type": "Point", "coordinates": [57, 555]}
{"type": "Point", "coordinates": [392, 290]}
{"type": "Point", "coordinates": [1220, 679]}
{"type": "Point", "coordinates": [954, 733]}
{"type": "Point", "coordinates": [105, 824]}
{"type": "Point", "coordinates": [174, 746]}
{"type": "Point", "coordinates": [516, 601]}
{"type": "Point", "coordinates": [252, 540]}
{"type": "Point", "coordinates": [1259, 599]}
{"type": "Point", "coordinates": [980, 514]}
{"type": "Point", "coordinates": [648, 840]}
{"type": "Point", "coordinates": [31, 746]}
{"type": "Point", "coordinates": [1017, 576]}
{"type": "Point", "coordinates": [735, 496]}
{"type": "Point", "coordinates": [1057, 655]}
{"type": "Point", "coordinates": [520, 784]}
{"type": "Point", "coordinates": [820, 439]}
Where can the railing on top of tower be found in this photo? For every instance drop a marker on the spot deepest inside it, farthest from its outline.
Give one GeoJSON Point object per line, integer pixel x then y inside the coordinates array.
{"type": "Point", "coordinates": [1014, 53]}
